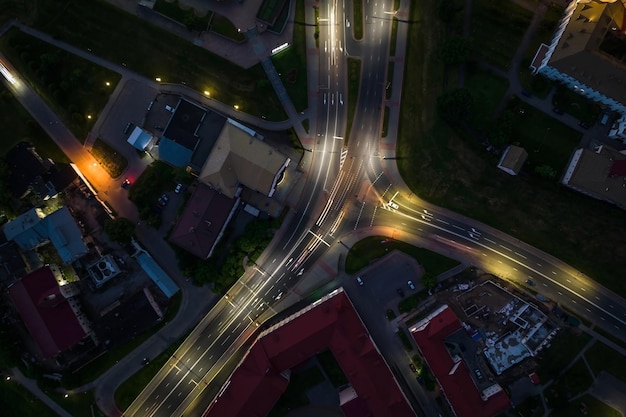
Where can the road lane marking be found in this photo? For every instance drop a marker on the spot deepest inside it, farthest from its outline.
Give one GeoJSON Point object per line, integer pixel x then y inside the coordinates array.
{"type": "Point", "coordinates": [489, 240]}
{"type": "Point", "coordinates": [560, 293]}
{"type": "Point", "coordinates": [583, 289]}
{"type": "Point", "coordinates": [554, 273]}
{"type": "Point", "coordinates": [458, 227]}
{"type": "Point", "coordinates": [543, 284]}
{"type": "Point", "coordinates": [520, 255]}
{"type": "Point", "coordinates": [538, 264]}
{"type": "Point", "coordinates": [504, 247]}
{"type": "Point", "coordinates": [442, 221]}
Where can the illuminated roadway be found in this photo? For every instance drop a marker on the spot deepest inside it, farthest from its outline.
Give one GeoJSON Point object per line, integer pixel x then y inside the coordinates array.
{"type": "Point", "coordinates": [348, 189]}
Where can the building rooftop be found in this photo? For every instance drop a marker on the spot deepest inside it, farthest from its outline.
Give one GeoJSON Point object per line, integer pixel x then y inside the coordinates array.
{"type": "Point", "coordinates": [240, 158]}
{"type": "Point", "coordinates": [47, 315]}
{"type": "Point", "coordinates": [329, 323]}
{"type": "Point", "coordinates": [157, 274]}
{"type": "Point", "coordinates": [599, 174]}
{"type": "Point", "coordinates": [451, 371]}
{"type": "Point", "coordinates": [203, 220]}
{"type": "Point", "coordinates": [513, 159]}
{"type": "Point", "coordinates": [184, 124]}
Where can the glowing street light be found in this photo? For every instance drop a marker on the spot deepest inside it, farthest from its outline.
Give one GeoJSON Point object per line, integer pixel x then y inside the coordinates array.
{"type": "Point", "coordinates": [158, 79]}
{"type": "Point", "coordinates": [89, 116]}
{"type": "Point", "coordinates": [236, 106]}
{"type": "Point", "coordinates": [108, 84]}
{"type": "Point", "coordinates": [207, 93]}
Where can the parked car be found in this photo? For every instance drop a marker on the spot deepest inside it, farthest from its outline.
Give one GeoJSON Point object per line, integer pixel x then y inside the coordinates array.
{"type": "Point", "coordinates": [359, 280]}
{"type": "Point", "coordinates": [126, 183]}
{"type": "Point", "coordinates": [411, 286]}
{"type": "Point", "coordinates": [163, 200]}
{"type": "Point", "coordinates": [178, 188]}
{"type": "Point", "coordinates": [413, 368]}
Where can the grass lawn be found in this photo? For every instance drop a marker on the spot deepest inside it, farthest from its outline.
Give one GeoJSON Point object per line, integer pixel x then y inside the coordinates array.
{"type": "Point", "coordinates": [504, 18]}
{"type": "Point", "coordinates": [371, 248]}
{"type": "Point", "coordinates": [15, 400]}
{"type": "Point", "coordinates": [73, 87]}
{"type": "Point", "coordinates": [113, 162]}
{"type": "Point", "coordinates": [187, 17]}
{"type": "Point", "coordinates": [562, 351]}
{"type": "Point", "coordinates": [586, 405]}
{"type": "Point", "coordinates": [150, 50]}
{"type": "Point", "coordinates": [357, 25]}
{"type": "Point", "coordinates": [75, 404]}
{"type": "Point", "coordinates": [602, 358]}
{"type": "Point", "coordinates": [458, 174]}
{"type": "Point", "coordinates": [385, 122]}
{"type": "Point", "coordinates": [146, 190]}
{"type": "Point", "coordinates": [291, 63]}
{"type": "Point", "coordinates": [354, 79]}
{"type": "Point", "coordinates": [18, 125]}
{"type": "Point", "coordinates": [130, 389]}
{"type": "Point", "coordinates": [576, 380]}
{"type": "Point", "coordinates": [487, 90]}
{"type": "Point", "coordinates": [295, 395]}
{"type": "Point", "coordinates": [389, 86]}
{"type": "Point", "coordinates": [412, 302]}
{"type": "Point", "coordinates": [222, 26]}
{"type": "Point", "coordinates": [546, 139]}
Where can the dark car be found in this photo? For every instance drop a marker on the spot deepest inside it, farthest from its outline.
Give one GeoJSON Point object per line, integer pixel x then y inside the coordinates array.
{"type": "Point", "coordinates": [126, 183]}
{"type": "Point", "coordinates": [558, 111]}
{"type": "Point", "coordinates": [413, 368]}
{"type": "Point", "coordinates": [163, 200]}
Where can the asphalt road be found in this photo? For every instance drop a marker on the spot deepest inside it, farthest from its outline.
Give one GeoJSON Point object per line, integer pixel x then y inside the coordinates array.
{"type": "Point", "coordinates": [347, 188]}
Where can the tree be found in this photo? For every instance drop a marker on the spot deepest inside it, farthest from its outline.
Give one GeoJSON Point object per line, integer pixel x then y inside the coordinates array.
{"type": "Point", "coordinates": [120, 229]}
{"type": "Point", "coordinates": [455, 106]}
{"type": "Point", "coordinates": [429, 280]}
{"type": "Point", "coordinates": [546, 171]}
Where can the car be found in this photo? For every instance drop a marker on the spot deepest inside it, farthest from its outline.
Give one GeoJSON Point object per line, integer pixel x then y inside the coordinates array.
{"type": "Point", "coordinates": [400, 292]}
{"type": "Point", "coordinates": [163, 200]}
{"type": "Point", "coordinates": [530, 282]}
{"type": "Point", "coordinates": [145, 361]}
{"type": "Point", "coordinates": [413, 368]}
{"type": "Point", "coordinates": [178, 188]}
{"type": "Point", "coordinates": [558, 110]}
{"type": "Point", "coordinates": [126, 183]}
{"type": "Point", "coordinates": [359, 280]}
{"type": "Point", "coordinates": [301, 272]}
{"type": "Point", "coordinates": [393, 205]}
{"type": "Point", "coordinates": [410, 283]}
{"type": "Point", "coordinates": [479, 374]}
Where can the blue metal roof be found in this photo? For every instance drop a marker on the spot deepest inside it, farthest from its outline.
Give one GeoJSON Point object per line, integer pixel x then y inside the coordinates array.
{"type": "Point", "coordinates": [157, 274]}
{"type": "Point", "coordinates": [174, 153]}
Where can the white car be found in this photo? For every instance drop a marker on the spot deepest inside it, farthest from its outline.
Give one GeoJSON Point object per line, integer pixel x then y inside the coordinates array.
{"type": "Point", "coordinates": [411, 286]}
{"type": "Point", "coordinates": [393, 205]}
{"type": "Point", "coordinates": [359, 280]}
{"type": "Point", "coordinates": [178, 188]}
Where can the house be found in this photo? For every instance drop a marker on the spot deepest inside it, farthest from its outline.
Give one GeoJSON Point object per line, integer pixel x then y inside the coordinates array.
{"type": "Point", "coordinates": [189, 135]}
{"type": "Point", "coordinates": [600, 174]}
{"type": "Point", "coordinates": [140, 139]}
{"type": "Point", "coordinates": [53, 318]}
{"type": "Point", "coordinates": [240, 158]}
{"type": "Point", "coordinates": [512, 160]}
{"type": "Point", "coordinates": [33, 229]}
{"type": "Point", "coordinates": [467, 391]}
{"type": "Point", "coordinates": [584, 55]}
{"type": "Point", "coordinates": [329, 323]}
{"type": "Point", "coordinates": [202, 223]}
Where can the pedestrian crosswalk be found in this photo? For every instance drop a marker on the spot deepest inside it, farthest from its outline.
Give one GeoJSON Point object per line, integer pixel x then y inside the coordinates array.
{"type": "Point", "coordinates": [342, 158]}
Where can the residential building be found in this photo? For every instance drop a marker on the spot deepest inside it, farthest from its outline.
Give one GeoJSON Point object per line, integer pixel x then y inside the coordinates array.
{"type": "Point", "coordinates": [600, 173]}
{"type": "Point", "coordinates": [512, 159]}
{"type": "Point", "coordinates": [586, 55]}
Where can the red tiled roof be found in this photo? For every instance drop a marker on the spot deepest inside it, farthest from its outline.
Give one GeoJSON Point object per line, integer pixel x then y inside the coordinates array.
{"type": "Point", "coordinates": [457, 384]}
{"type": "Point", "coordinates": [618, 169]}
{"type": "Point", "coordinates": [46, 313]}
{"type": "Point", "coordinates": [204, 216]}
{"type": "Point", "coordinates": [333, 324]}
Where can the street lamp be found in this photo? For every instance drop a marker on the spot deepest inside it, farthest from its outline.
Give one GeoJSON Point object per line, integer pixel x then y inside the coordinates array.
{"type": "Point", "coordinates": [236, 106]}
{"type": "Point", "coordinates": [108, 84]}
{"type": "Point", "coordinates": [158, 79]}
{"type": "Point", "coordinates": [207, 93]}
{"type": "Point", "coordinates": [89, 116]}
